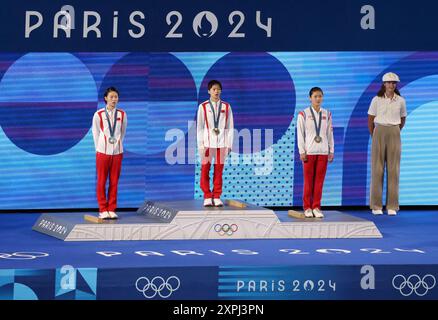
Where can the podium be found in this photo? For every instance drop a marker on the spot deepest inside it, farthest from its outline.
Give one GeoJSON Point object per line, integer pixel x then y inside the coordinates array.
{"type": "Point", "coordinates": [189, 219]}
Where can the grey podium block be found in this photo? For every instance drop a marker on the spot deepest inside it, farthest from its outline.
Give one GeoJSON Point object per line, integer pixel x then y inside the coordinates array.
{"type": "Point", "coordinates": [193, 221]}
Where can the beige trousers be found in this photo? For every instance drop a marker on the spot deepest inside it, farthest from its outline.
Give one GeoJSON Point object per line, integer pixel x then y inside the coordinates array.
{"type": "Point", "coordinates": [386, 151]}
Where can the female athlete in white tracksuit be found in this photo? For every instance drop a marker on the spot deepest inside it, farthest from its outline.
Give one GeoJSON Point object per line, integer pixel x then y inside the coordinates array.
{"type": "Point", "coordinates": [316, 148]}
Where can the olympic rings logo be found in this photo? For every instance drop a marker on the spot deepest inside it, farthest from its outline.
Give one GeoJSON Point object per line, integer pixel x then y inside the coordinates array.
{"type": "Point", "coordinates": [414, 284]}
{"type": "Point", "coordinates": [157, 286]}
{"type": "Point", "coordinates": [226, 229]}
{"type": "Point", "coordinates": [23, 255]}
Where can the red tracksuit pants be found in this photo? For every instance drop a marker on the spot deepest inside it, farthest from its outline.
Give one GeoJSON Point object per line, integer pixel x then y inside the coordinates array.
{"type": "Point", "coordinates": [314, 174]}
{"type": "Point", "coordinates": [107, 166]}
{"type": "Point", "coordinates": [219, 154]}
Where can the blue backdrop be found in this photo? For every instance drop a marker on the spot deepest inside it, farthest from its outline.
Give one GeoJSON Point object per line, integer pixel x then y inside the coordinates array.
{"type": "Point", "coordinates": [161, 57]}
{"type": "Point", "coordinates": [47, 101]}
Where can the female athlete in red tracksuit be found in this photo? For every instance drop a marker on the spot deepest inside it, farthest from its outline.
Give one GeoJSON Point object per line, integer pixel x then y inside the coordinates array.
{"type": "Point", "coordinates": [109, 129]}
{"type": "Point", "coordinates": [215, 130]}
{"type": "Point", "coordinates": [316, 147]}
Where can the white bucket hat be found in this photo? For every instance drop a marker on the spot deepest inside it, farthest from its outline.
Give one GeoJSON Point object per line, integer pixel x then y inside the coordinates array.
{"type": "Point", "coordinates": [390, 77]}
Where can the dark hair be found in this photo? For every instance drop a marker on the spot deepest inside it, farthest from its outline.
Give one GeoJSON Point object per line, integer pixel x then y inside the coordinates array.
{"type": "Point", "coordinates": [382, 91]}
{"type": "Point", "coordinates": [213, 82]}
{"type": "Point", "coordinates": [315, 89]}
{"type": "Point", "coordinates": [108, 90]}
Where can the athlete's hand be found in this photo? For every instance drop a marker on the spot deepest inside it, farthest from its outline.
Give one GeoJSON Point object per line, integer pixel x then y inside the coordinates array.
{"type": "Point", "coordinates": [331, 156]}
{"type": "Point", "coordinates": [303, 157]}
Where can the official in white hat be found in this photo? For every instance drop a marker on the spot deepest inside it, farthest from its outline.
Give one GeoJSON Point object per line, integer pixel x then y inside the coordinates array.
{"type": "Point", "coordinates": [386, 118]}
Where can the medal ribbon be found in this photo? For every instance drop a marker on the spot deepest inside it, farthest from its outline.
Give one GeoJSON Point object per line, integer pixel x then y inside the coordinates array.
{"type": "Point", "coordinates": [112, 129]}
{"type": "Point", "coordinates": [317, 128]}
{"type": "Point", "coordinates": [216, 119]}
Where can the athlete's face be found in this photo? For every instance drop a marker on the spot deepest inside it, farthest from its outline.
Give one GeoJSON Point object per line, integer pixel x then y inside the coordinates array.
{"type": "Point", "coordinates": [316, 98]}
{"type": "Point", "coordinates": [215, 92]}
{"type": "Point", "coordinates": [112, 99]}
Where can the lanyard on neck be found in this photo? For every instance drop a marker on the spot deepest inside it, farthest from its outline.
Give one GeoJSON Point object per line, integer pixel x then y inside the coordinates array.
{"type": "Point", "coordinates": [317, 127]}
{"type": "Point", "coordinates": [216, 119]}
{"type": "Point", "coordinates": [112, 128]}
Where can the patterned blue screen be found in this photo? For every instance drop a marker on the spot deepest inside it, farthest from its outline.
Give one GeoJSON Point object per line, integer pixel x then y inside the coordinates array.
{"type": "Point", "coordinates": [47, 101]}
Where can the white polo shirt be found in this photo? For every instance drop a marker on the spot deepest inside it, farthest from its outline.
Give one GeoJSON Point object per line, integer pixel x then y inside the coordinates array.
{"type": "Point", "coordinates": [306, 132]}
{"type": "Point", "coordinates": [388, 112]}
{"type": "Point", "coordinates": [206, 137]}
{"type": "Point", "coordinates": [101, 131]}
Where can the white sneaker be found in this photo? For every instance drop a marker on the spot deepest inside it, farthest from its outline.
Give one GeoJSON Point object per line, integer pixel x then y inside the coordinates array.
{"type": "Point", "coordinates": [104, 215]}
{"type": "Point", "coordinates": [218, 203]}
{"type": "Point", "coordinates": [308, 213]}
{"type": "Point", "coordinates": [377, 212]}
{"type": "Point", "coordinates": [208, 202]}
{"type": "Point", "coordinates": [392, 212]}
{"type": "Point", "coordinates": [113, 215]}
{"type": "Point", "coordinates": [318, 213]}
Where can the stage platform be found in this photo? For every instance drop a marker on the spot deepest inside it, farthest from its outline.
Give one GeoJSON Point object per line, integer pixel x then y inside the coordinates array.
{"type": "Point", "coordinates": [37, 266]}
{"type": "Point", "coordinates": [182, 220]}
